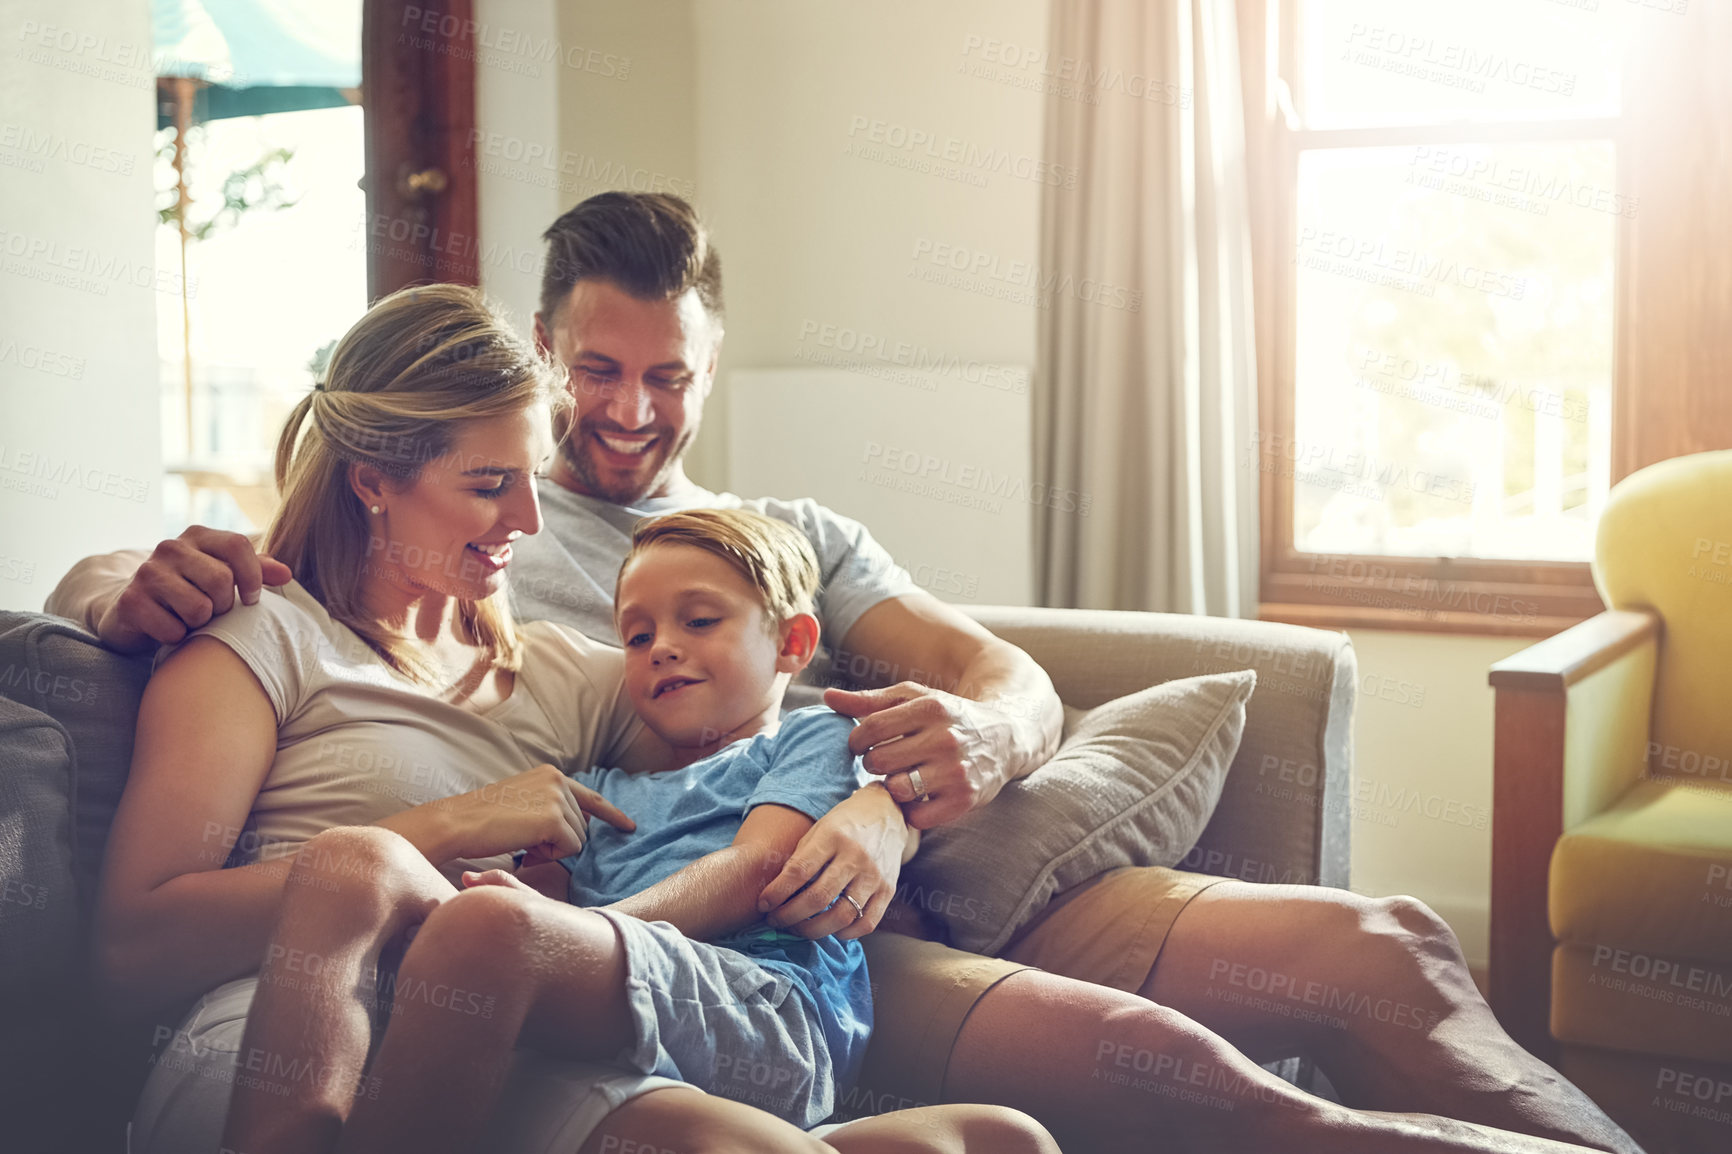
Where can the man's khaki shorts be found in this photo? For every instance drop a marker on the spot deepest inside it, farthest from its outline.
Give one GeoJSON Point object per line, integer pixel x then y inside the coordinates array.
{"type": "Point", "coordinates": [1109, 931]}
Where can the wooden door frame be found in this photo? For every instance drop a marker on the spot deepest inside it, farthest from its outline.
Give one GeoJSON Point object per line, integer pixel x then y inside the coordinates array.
{"type": "Point", "coordinates": [418, 93]}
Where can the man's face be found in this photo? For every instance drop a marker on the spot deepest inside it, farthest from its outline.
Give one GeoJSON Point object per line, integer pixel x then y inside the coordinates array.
{"type": "Point", "coordinates": [640, 371]}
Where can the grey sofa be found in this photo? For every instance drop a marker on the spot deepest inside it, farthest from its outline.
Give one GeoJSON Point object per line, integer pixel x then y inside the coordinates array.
{"type": "Point", "coordinates": [69, 1074]}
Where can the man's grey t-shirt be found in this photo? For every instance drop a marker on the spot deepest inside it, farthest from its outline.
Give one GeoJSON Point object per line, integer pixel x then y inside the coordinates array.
{"type": "Point", "coordinates": [566, 572]}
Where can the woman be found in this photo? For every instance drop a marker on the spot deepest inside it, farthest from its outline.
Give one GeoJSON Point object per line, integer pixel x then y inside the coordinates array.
{"type": "Point", "coordinates": [387, 687]}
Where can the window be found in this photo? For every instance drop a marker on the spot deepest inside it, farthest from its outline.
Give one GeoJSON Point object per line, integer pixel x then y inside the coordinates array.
{"type": "Point", "coordinates": [289, 202]}
{"type": "Point", "coordinates": [1438, 238]}
{"type": "Point", "coordinates": [260, 156]}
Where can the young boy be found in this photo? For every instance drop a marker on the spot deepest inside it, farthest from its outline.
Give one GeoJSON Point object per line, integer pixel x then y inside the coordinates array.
{"type": "Point", "coordinates": [714, 609]}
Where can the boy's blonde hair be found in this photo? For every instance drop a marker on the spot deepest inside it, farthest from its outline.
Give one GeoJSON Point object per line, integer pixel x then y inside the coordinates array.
{"type": "Point", "coordinates": [773, 555]}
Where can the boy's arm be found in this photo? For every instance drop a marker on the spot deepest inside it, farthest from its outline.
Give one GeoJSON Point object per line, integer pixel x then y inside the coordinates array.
{"type": "Point", "coordinates": [718, 893]}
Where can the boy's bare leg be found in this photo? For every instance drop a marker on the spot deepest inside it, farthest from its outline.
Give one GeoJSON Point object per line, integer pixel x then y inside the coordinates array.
{"type": "Point", "coordinates": [688, 1123]}
{"type": "Point", "coordinates": [489, 968]}
{"type": "Point", "coordinates": [958, 1129]}
{"type": "Point", "coordinates": [1106, 1070]}
{"type": "Point", "coordinates": [349, 892]}
{"type": "Point", "coordinates": [1377, 991]}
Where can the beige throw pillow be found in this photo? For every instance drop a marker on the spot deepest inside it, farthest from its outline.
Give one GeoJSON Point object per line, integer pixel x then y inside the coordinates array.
{"type": "Point", "coordinates": [1134, 783]}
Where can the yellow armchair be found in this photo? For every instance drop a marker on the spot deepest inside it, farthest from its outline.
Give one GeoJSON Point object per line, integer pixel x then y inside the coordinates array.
{"type": "Point", "coordinates": [1611, 914]}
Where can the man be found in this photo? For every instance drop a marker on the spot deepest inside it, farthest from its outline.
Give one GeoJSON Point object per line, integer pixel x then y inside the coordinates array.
{"type": "Point", "coordinates": [631, 303]}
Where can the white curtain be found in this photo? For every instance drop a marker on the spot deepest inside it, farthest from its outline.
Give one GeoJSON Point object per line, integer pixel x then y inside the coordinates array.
{"type": "Point", "coordinates": [1145, 391]}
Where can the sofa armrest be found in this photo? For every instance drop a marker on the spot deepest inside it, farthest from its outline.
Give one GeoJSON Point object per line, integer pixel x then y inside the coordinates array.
{"type": "Point", "coordinates": [1572, 724]}
{"type": "Point", "coordinates": [1284, 813]}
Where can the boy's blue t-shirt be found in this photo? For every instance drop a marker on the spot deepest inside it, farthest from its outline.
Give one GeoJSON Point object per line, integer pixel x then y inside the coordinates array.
{"type": "Point", "coordinates": [684, 814]}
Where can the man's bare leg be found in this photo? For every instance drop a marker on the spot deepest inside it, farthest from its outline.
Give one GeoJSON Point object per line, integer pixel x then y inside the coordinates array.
{"type": "Point", "coordinates": [349, 892]}
{"type": "Point", "coordinates": [1106, 1070]}
{"type": "Point", "coordinates": [1377, 992]}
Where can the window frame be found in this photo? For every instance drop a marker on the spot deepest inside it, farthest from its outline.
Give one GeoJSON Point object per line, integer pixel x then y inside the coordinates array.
{"type": "Point", "coordinates": [1499, 597]}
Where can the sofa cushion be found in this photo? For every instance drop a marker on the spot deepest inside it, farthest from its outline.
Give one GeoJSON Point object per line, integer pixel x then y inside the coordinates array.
{"type": "Point", "coordinates": [1652, 873]}
{"type": "Point", "coordinates": [39, 928]}
{"type": "Point", "coordinates": [1298, 725]}
{"type": "Point", "coordinates": [1133, 784]}
{"type": "Point", "coordinates": [51, 665]}
{"type": "Point", "coordinates": [1640, 1002]}
{"type": "Point", "coordinates": [41, 942]}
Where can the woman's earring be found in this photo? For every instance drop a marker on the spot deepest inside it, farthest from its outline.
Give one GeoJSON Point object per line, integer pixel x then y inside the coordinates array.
{"type": "Point", "coordinates": [377, 510]}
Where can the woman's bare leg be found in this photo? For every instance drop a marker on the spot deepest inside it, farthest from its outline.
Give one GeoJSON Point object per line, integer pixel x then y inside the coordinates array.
{"type": "Point", "coordinates": [303, 1053]}
{"type": "Point", "coordinates": [489, 968]}
{"type": "Point", "coordinates": [1106, 1070]}
{"type": "Point", "coordinates": [1377, 991]}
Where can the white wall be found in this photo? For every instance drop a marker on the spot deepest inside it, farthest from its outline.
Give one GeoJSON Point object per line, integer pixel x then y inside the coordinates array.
{"type": "Point", "coordinates": [80, 443]}
{"type": "Point", "coordinates": [1423, 771]}
{"type": "Point", "coordinates": [518, 157]}
{"type": "Point", "coordinates": [826, 211]}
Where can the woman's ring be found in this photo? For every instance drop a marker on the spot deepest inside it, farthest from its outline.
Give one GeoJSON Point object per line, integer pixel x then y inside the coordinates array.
{"type": "Point", "coordinates": [859, 910]}
{"type": "Point", "coordinates": [919, 786]}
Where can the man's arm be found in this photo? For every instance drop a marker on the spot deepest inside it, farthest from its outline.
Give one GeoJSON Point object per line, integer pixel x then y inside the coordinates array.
{"type": "Point", "coordinates": [859, 847]}
{"type": "Point", "coordinates": [133, 600]}
{"type": "Point", "coordinates": [967, 709]}
{"type": "Point", "coordinates": [92, 583]}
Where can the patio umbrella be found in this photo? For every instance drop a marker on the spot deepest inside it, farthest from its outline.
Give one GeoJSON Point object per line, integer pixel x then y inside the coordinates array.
{"type": "Point", "coordinates": [250, 57]}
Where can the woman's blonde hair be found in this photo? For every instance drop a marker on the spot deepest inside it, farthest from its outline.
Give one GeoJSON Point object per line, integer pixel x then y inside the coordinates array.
{"type": "Point", "coordinates": [397, 390]}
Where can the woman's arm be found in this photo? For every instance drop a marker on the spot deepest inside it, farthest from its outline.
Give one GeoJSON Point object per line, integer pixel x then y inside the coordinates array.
{"type": "Point", "coordinates": [718, 893]}
{"type": "Point", "coordinates": [171, 922]}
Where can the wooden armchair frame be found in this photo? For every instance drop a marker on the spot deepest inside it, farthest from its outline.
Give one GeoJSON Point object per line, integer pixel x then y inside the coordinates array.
{"type": "Point", "coordinates": [1532, 753]}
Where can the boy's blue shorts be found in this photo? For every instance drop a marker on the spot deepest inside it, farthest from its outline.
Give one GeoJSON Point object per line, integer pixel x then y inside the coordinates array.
{"type": "Point", "coordinates": [715, 1019]}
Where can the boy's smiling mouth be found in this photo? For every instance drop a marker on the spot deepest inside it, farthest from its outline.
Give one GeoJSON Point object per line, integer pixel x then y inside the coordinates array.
{"type": "Point", "coordinates": [670, 684]}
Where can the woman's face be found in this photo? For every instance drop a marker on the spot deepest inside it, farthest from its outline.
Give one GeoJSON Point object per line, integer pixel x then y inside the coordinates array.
{"type": "Point", "coordinates": [450, 531]}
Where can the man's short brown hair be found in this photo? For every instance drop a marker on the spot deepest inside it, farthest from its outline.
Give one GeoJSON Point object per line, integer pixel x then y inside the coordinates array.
{"type": "Point", "coordinates": [773, 555]}
{"type": "Point", "coordinates": [651, 244]}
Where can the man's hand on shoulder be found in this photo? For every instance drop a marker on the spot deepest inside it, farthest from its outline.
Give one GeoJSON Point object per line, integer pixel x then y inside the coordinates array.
{"type": "Point", "coordinates": [188, 580]}
{"type": "Point", "coordinates": [960, 747]}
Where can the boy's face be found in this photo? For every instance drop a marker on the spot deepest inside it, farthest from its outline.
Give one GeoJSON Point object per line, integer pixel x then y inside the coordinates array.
{"type": "Point", "coordinates": [704, 665]}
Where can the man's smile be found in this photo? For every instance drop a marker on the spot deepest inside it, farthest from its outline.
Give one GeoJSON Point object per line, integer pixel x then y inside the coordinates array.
{"type": "Point", "coordinates": [626, 446]}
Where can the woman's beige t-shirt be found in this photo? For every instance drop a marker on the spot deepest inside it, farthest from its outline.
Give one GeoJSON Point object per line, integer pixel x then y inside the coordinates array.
{"type": "Point", "coordinates": [357, 742]}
